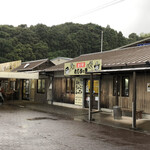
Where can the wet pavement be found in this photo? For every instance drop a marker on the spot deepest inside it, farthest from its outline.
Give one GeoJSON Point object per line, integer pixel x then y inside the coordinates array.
{"type": "Point", "coordinates": [104, 117]}
{"type": "Point", "coordinates": [37, 126]}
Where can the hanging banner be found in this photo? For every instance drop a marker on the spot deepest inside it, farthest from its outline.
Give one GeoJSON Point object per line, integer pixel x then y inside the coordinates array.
{"type": "Point", "coordinates": [80, 68]}
{"type": "Point", "coordinates": [78, 91]}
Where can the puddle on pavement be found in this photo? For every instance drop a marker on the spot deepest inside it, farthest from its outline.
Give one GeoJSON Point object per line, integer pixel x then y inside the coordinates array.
{"type": "Point", "coordinates": [80, 135]}
{"type": "Point", "coordinates": [41, 118]}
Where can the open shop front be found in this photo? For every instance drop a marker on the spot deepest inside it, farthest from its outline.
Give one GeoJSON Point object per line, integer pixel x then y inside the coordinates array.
{"type": "Point", "coordinates": [11, 83]}
{"type": "Point", "coordinates": [78, 71]}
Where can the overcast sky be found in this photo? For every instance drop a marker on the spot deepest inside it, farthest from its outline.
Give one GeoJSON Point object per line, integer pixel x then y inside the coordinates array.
{"type": "Point", "coordinates": [126, 16]}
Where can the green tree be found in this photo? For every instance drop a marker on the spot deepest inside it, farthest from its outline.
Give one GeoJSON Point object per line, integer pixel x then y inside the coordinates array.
{"type": "Point", "coordinates": [67, 40]}
{"type": "Point", "coordinates": [22, 52]}
{"type": "Point", "coordinates": [40, 50]}
{"type": "Point", "coordinates": [144, 35]}
{"type": "Point", "coordinates": [133, 37]}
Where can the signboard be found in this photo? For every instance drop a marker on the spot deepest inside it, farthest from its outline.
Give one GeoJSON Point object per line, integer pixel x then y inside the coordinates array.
{"type": "Point", "coordinates": [78, 91]}
{"type": "Point", "coordinates": [148, 87]}
{"type": "Point", "coordinates": [80, 68]}
{"type": "Point", "coordinates": [9, 66]}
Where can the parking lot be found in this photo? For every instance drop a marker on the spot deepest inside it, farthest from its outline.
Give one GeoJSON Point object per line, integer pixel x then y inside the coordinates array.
{"type": "Point", "coordinates": [22, 129]}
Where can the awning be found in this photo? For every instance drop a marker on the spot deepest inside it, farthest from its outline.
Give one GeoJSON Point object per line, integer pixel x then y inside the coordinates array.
{"type": "Point", "coordinates": [19, 75]}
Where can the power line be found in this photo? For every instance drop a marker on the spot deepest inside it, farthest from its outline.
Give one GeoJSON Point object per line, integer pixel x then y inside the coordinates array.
{"type": "Point", "coordinates": [114, 2]}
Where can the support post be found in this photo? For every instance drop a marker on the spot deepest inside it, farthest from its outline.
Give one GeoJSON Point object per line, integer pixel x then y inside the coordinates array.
{"type": "Point", "coordinates": [52, 90]}
{"type": "Point", "coordinates": [134, 102]}
{"type": "Point", "coordinates": [116, 90]}
{"type": "Point", "coordinates": [84, 91]}
{"type": "Point", "coordinates": [91, 97]}
{"type": "Point", "coordinates": [99, 96]}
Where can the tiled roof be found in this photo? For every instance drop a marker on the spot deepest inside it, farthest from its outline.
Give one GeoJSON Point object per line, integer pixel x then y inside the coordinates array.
{"type": "Point", "coordinates": [30, 65]}
{"type": "Point", "coordinates": [115, 58]}
{"type": "Point", "coordinates": [145, 41]}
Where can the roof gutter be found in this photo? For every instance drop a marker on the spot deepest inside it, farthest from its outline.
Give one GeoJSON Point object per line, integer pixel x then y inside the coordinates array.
{"type": "Point", "coordinates": [121, 70]}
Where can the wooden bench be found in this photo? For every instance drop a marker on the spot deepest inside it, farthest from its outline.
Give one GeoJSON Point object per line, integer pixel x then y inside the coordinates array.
{"type": "Point", "coordinates": [128, 110]}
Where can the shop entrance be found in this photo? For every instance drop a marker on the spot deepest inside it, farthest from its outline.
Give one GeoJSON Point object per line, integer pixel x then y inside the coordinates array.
{"type": "Point", "coordinates": [95, 95]}
{"type": "Point", "coordinates": [26, 90]}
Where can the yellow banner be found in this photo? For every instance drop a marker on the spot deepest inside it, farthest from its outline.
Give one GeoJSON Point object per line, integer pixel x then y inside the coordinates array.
{"type": "Point", "coordinates": [9, 66]}
{"type": "Point", "coordinates": [80, 68]}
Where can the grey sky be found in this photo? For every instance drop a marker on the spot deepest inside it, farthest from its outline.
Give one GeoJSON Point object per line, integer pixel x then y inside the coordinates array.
{"type": "Point", "coordinates": [126, 16]}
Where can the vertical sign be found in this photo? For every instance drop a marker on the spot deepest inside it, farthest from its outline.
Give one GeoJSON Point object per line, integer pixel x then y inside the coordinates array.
{"type": "Point", "coordinates": [78, 91]}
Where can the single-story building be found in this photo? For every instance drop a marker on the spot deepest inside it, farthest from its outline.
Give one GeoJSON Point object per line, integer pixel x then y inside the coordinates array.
{"type": "Point", "coordinates": [33, 89]}
{"type": "Point", "coordinates": [113, 84]}
{"type": "Point", "coordinates": [9, 80]}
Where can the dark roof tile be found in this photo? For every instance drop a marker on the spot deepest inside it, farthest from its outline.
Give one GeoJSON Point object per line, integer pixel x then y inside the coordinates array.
{"type": "Point", "coordinates": [30, 65]}
{"type": "Point", "coordinates": [114, 58]}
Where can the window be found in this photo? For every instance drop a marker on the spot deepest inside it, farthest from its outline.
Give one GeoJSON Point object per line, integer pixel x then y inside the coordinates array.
{"type": "Point", "coordinates": [41, 86]}
{"type": "Point", "coordinates": [125, 86]}
{"type": "Point", "coordinates": [5, 85]}
{"type": "Point", "coordinates": [115, 85]}
{"type": "Point", "coordinates": [70, 85]}
{"type": "Point", "coordinates": [95, 86]}
{"type": "Point", "coordinates": [12, 85]}
{"type": "Point", "coordinates": [67, 85]}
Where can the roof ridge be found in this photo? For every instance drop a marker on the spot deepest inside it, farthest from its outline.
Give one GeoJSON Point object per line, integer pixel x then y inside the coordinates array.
{"type": "Point", "coordinates": [117, 49]}
{"type": "Point", "coordinates": [35, 60]}
{"type": "Point", "coordinates": [62, 57]}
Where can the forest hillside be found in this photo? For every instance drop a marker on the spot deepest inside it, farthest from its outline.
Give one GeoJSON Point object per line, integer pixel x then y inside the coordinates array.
{"type": "Point", "coordinates": [65, 40]}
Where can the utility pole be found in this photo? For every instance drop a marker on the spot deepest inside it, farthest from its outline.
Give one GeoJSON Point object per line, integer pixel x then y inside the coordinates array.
{"type": "Point", "coordinates": [101, 41]}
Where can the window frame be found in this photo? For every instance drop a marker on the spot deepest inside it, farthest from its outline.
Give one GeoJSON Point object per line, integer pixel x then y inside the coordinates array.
{"type": "Point", "coordinates": [42, 88]}
{"type": "Point", "coordinates": [124, 86]}
{"type": "Point", "coordinates": [67, 85]}
{"type": "Point", "coordinates": [70, 87]}
{"type": "Point", "coordinates": [114, 85]}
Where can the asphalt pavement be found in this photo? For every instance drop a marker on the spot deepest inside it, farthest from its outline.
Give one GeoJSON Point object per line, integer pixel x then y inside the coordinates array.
{"type": "Point", "coordinates": [23, 128]}
{"type": "Point", "coordinates": [103, 117]}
